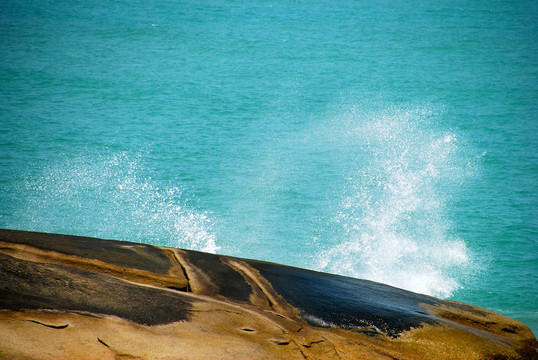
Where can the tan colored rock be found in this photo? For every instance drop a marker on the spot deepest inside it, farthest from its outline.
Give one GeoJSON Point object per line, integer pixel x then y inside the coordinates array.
{"type": "Point", "coordinates": [66, 297]}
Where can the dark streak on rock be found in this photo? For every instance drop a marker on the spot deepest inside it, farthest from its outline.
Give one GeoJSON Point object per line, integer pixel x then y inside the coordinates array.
{"type": "Point", "coordinates": [104, 343]}
{"type": "Point", "coordinates": [188, 289]}
{"type": "Point", "coordinates": [509, 330]}
{"type": "Point", "coordinates": [121, 253]}
{"type": "Point", "coordinates": [312, 343]}
{"type": "Point", "coordinates": [49, 325]}
{"type": "Point", "coordinates": [26, 285]}
{"type": "Point", "coordinates": [177, 288]}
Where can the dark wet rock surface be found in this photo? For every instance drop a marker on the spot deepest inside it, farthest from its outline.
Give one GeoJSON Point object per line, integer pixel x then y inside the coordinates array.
{"type": "Point", "coordinates": [25, 285]}
{"type": "Point", "coordinates": [331, 300]}
{"type": "Point", "coordinates": [121, 253]}
{"type": "Point", "coordinates": [228, 282]}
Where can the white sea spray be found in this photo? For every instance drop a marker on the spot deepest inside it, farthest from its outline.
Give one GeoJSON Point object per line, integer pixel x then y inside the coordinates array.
{"type": "Point", "coordinates": [112, 195]}
{"type": "Point", "coordinates": [393, 217]}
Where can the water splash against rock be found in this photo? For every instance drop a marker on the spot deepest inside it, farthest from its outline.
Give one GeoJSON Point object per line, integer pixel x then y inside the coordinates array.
{"type": "Point", "coordinates": [111, 195]}
{"type": "Point", "coordinates": [393, 219]}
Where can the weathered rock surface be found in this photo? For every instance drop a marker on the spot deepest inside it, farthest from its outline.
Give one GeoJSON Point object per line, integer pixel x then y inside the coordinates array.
{"type": "Point", "coordinates": [67, 297]}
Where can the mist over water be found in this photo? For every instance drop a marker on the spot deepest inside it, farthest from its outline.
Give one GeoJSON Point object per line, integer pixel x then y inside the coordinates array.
{"type": "Point", "coordinates": [394, 213]}
{"type": "Point", "coordinates": [110, 195]}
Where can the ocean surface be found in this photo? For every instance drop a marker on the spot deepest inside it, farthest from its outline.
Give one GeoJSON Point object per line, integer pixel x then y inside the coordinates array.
{"type": "Point", "coordinates": [386, 140]}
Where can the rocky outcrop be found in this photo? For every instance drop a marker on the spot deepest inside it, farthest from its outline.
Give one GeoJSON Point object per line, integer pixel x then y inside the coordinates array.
{"type": "Point", "coordinates": [67, 297]}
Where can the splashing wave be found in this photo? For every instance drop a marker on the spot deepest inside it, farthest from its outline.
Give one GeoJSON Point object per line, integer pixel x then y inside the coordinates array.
{"type": "Point", "coordinates": [393, 220]}
{"type": "Point", "coordinates": [112, 196]}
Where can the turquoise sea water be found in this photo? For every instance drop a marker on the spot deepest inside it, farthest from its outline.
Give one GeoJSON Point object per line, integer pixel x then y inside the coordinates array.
{"type": "Point", "coordinates": [393, 141]}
